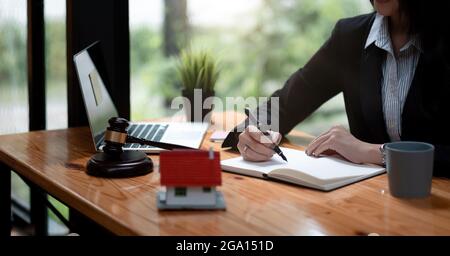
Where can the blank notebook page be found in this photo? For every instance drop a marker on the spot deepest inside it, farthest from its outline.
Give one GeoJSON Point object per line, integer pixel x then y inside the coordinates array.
{"type": "Point", "coordinates": [322, 168]}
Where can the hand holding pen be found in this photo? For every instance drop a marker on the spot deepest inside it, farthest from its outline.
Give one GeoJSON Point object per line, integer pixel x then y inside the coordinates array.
{"type": "Point", "coordinates": [256, 145]}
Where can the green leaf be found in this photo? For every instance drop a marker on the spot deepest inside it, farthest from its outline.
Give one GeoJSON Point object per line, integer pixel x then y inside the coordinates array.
{"type": "Point", "coordinates": [197, 70]}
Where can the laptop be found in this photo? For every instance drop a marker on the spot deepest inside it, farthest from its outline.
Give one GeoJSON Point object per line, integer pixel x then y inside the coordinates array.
{"type": "Point", "coordinates": [100, 108]}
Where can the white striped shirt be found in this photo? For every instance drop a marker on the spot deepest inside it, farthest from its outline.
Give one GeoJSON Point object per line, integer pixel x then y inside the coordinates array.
{"type": "Point", "coordinates": [398, 73]}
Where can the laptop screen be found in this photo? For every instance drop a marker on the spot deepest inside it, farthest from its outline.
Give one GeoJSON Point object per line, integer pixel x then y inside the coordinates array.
{"type": "Point", "coordinates": [99, 105]}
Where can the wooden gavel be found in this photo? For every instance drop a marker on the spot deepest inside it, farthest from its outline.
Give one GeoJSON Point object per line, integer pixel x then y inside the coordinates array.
{"type": "Point", "coordinates": [113, 162]}
{"type": "Point", "coordinates": [116, 136]}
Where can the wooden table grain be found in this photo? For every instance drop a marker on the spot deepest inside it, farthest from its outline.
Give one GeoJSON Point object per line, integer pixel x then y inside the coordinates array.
{"type": "Point", "coordinates": [56, 160]}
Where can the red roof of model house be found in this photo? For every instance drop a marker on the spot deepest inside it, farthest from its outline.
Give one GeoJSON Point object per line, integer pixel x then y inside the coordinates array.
{"type": "Point", "coordinates": [189, 168]}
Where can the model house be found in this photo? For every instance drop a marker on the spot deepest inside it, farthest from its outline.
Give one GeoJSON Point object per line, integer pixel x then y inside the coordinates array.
{"type": "Point", "coordinates": [190, 177]}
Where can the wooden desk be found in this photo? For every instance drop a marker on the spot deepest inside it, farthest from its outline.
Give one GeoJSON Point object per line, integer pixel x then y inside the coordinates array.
{"type": "Point", "coordinates": [55, 161]}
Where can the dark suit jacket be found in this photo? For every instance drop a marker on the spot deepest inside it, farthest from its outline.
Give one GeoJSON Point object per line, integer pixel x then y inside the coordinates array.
{"type": "Point", "coordinates": [343, 65]}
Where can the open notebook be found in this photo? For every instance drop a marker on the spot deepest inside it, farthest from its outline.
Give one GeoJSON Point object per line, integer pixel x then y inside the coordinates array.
{"type": "Point", "coordinates": [324, 173]}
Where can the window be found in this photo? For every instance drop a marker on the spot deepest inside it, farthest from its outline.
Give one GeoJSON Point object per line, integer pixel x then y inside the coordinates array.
{"type": "Point", "coordinates": [55, 57]}
{"type": "Point", "coordinates": [56, 87]}
{"type": "Point", "coordinates": [13, 79]}
{"type": "Point", "coordinates": [180, 192]}
{"type": "Point", "coordinates": [14, 83]}
{"type": "Point", "coordinates": [207, 189]}
{"type": "Point", "coordinates": [259, 44]}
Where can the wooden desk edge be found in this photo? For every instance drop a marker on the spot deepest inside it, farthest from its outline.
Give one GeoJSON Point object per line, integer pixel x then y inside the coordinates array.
{"type": "Point", "coordinates": [54, 189]}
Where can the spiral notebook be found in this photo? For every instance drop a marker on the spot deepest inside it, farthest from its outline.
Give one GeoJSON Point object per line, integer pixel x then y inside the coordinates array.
{"type": "Point", "coordinates": [324, 173]}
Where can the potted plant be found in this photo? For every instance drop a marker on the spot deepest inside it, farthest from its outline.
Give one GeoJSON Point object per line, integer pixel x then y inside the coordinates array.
{"type": "Point", "coordinates": [198, 74]}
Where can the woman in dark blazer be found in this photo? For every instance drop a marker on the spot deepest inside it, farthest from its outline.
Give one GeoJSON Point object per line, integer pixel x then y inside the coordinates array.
{"type": "Point", "coordinates": [392, 67]}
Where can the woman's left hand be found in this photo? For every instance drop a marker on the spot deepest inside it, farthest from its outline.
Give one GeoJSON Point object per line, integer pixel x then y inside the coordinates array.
{"type": "Point", "coordinates": [339, 140]}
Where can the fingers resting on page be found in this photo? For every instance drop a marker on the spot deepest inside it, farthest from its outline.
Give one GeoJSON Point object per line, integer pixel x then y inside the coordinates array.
{"type": "Point", "coordinates": [339, 140]}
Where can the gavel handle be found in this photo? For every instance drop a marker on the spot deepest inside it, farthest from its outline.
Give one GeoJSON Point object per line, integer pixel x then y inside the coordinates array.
{"type": "Point", "coordinates": [131, 139]}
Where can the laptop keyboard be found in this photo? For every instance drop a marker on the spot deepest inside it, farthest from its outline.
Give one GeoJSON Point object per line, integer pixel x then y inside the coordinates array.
{"type": "Point", "coordinates": [153, 132]}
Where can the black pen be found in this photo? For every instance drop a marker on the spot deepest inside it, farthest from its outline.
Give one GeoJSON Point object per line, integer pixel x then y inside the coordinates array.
{"type": "Point", "coordinates": [256, 122]}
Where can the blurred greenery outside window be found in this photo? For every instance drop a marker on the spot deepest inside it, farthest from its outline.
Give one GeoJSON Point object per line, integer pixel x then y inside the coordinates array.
{"type": "Point", "coordinates": [55, 58]}
{"type": "Point", "coordinates": [56, 86]}
{"type": "Point", "coordinates": [259, 43]}
{"type": "Point", "coordinates": [13, 79]}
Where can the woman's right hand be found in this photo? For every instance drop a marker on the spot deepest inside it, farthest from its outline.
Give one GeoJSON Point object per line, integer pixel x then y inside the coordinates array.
{"type": "Point", "coordinates": [255, 146]}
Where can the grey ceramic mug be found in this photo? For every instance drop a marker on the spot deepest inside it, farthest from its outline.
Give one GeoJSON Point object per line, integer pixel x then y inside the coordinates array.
{"type": "Point", "coordinates": [410, 168]}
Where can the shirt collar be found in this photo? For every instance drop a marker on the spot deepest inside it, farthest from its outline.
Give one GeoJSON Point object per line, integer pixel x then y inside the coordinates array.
{"type": "Point", "coordinates": [379, 35]}
{"type": "Point", "coordinates": [375, 30]}
{"type": "Point", "coordinates": [414, 41]}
